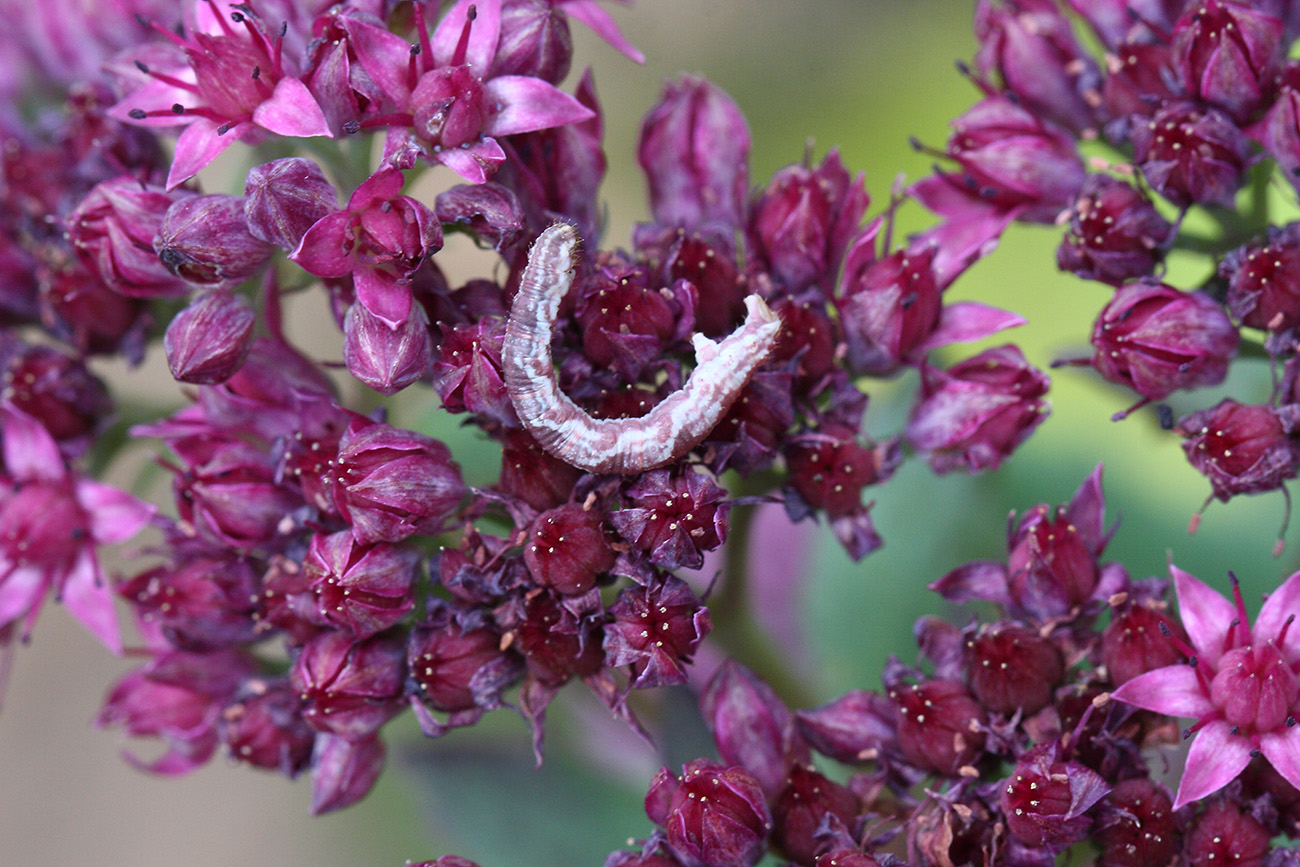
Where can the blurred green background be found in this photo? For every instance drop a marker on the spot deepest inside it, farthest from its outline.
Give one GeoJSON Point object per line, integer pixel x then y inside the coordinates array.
{"type": "Point", "coordinates": [860, 75]}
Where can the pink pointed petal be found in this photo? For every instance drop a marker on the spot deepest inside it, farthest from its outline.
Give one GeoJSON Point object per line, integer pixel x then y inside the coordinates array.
{"type": "Point", "coordinates": [384, 184]}
{"type": "Point", "coordinates": [321, 250]}
{"type": "Point", "coordinates": [20, 593]}
{"type": "Point", "coordinates": [968, 321]}
{"type": "Point", "coordinates": [599, 21]}
{"type": "Point", "coordinates": [153, 95]}
{"type": "Point", "coordinates": [199, 145]}
{"type": "Point", "coordinates": [115, 515]}
{"type": "Point", "coordinates": [87, 596]}
{"type": "Point", "coordinates": [1215, 759]}
{"type": "Point", "coordinates": [383, 55]}
{"type": "Point", "coordinates": [1205, 613]}
{"type": "Point", "coordinates": [1173, 690]}
{"type": "Point", "coordinates": [529, 104]}
{"type": "Point", "coordinates": [1281, 604]}
{"type": "Point", "coordinates": [1087, 510]}
{"type": "Point", "coordinates": [389, 300]}
{"type": "Point", "coordinates": [1282, 749]}
{"type": "Point", "coordinates": [476, 163]}
{"type": "Point", "coordinates": [484, 34]}
{"type": "Point", "coordinates": [30, 452]}
{"type": "Point", "coordinates": [292, 111]}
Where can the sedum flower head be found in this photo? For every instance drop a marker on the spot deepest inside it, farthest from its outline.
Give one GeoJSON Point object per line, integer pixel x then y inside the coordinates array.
{"type": "Point", "coordinates": [1239, 683]}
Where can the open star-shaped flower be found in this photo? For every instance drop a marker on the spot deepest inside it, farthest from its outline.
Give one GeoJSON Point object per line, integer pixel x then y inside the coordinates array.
{"type": "Point", "coordinates": [1239, 683]}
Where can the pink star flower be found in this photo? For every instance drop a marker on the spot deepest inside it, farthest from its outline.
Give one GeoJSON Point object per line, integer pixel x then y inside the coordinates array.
{"type": "Point", "coordinates": [1239, 683]}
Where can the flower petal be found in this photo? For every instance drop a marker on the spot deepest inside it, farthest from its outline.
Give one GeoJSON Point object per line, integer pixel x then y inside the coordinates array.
{"type": "Point", "coordinates": [292, 111]}
{"type": "Point", "coordinates": [1282, 749]}
{"type": "Point", "coordinates": [1174, 690]}
{"type": "Point", "coordinates": [115, 515]}
{"type": "Point", "coordinates": [388, 299]}
{"type": "Point", "coordinates": [323, 250]}
{"type": "Point", "coordinates": [529, 104]}
{"type": "Point", "coordinates": [484, 34]}
{"type": "Point", "coordinates": [88, 597]}
{"type": "Point", "coordinates": [1280, 604]}
{"type": "Point", "coordinates": [30, 453]}
{"type": "Point", "coordinates": [968, 321]}
{"type": "Point", "coordinates": [600, 21]}
{"type": "Point", "coordinates": [1205, 613]}
{"type": "Point", "coordinates": [1215, 759]}
{"type": "Point", "coordinates": [199, 145]}
{"type": "Point", "coordinates": [475, 163]}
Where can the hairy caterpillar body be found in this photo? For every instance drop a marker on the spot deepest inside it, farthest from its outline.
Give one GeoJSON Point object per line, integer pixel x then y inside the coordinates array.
{"type": "Point", "coordinates": [628, 445]}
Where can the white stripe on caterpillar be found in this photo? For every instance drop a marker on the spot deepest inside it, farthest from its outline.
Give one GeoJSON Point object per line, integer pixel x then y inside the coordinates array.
{"type": "Point", "coordinates": [626, 445]}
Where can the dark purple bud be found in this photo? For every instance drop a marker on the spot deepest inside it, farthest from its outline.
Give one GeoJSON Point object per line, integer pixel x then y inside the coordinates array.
{"type": "Point", "coordinates": [1264, 280]}
{"type": "Point", "coordinates": [1223, 834]}
{"type": "Point", "coordinates": [208, 341]}
{"type": "Point", "coordinates": [343, 770]}
{"type": "Point", "coordinates": [854, 729]}
{"type": "Point", "coordinates": [82, 310]}
{"type": "Point", "coordinates": [1228, 55]}
{"type": "Point", "coordinates": [206, 240]}
{"type": "Point", "coordinates": [751, 726]}
{"type": "Point", "coordinates": [694, 149]}
{"type": "Point", "coordinates": [1135, 825]}
{"type": "Point", "coordinates": [1013, 669]}
{"type": "Point", "coordinates": [888, 307]}
{"type": "Point", "coordinates": [1138, 640]}
{"type": "Point", "coordinates": [749, 435]}
{"type": "Point", "coordinates": [808, 339]}
{"type": "Point", "coordinates": [392, 484]}
{"type": "Point", "coordinates": [656, 629]}
{"type": "Point", "coordinates": [556, 643]}
{"type": "Point", "coordinates": [450, 106]}
{"type": "Point", "coordinates": [1009, 158]}
{"type": "Point", "coordinates": [385, 358]}
{"type": "Point", "coordinates": [1053, 566]}
{"type": "Point", "coordinates": [459, 668]}
{"type": "Point", "coordinates": [673, 516]}
{"type": "Point", "coordinates": [349, 688]}
{"type": "Point", "coordinates": [707, 260]}
{"type": "Point", "coordinates": [1191, 154]}
{"type": "Point", "coordinates": [361, 588]}
{"type": "Point", "coordinates": [1279, 129]}
{"type": "Point", "coordinates": [532, 475]}
{"type": "Point", "coordinates": [808, 810]}
{"type": "Point", "coordinates": [230, 496]}
{"type": "Point", "coordinates": [1241, 449]}
{"type": "Point", "coordinates": [1155, 339]}
{"type": "Point", "coordinates": [1114, 235]}
{"type": "Point", "coordinates": [567, 550]}
{"type": "Point", "coordinates": [112, 230]}
{"type": "Point", "coordinates": [263, 727]}
{"type": "Point", "coordinates": [626, 323]}
{"type": "Point", "coordinates": [974, 414]}
{"type": "Point", "coordinates": [1031, 48]}
{"type": "Point", "coordinates": [801, 225]}
{"type": "Point", "coordinates": [940, 726]}
{"type": "Point", "coordinates": [535, 41]}
{"type": "Point", "coordinates": [713, 816]}
{"type": "Point", "coordinates": [199, 602]}
{"type": "Point", "coordinates": [1045, 800]}
{"type": "Point", "coordinates": [489, 210]}
{"type": "Point", "coordinates": [828, 469]}
{"type": "Point", "coordinates": [1140, 79]}
{"type": "Point", "coordinates": [468, 372]}
{"type": "Point", "coordinates": [284, 198]}
{"type": "Point", "coordinates": [56, 389]}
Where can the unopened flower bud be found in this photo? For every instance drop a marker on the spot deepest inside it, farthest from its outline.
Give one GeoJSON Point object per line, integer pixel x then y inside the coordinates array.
{"type": "Point", "coordinates": [112, 230]}
{"type": "Point", "coordinates": [1191, 154]}
{"type": "Point", "coordinates": [535, 41]}
{"type": "Point", "coordinates": [205, 240]}
{"type": "Point", "coordinates": [714, 816]}
{"type": "Point", "coordinates": [1136, 825]}
{"type": "Point", "coordinates": [387, 359]}
{"type": "Point", "coordinates": [1045, 799]}
{"type": "Point", "coordinates": [1242, 448]}
{"type": "Point", "coordinates": [343, 770]}
{"type": "Point", "coordinates": [208, 341]}
{"type": "Point", "coordinates": [1115, 234]}
{"type": "Point", "coordinates": [350, 687]}
{"type": "Point", "coordinates": [284, 198]}
{"type": "Point", "coordinates": [567, 550]}
{"type": "Point", "coordinates": [1013, 669]}
{"type": "Point", "coordinates": [940, 726]}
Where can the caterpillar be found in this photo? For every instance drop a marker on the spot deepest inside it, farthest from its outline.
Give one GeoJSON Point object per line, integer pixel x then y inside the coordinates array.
{"type": "Point", "coordinates": [626, 445]}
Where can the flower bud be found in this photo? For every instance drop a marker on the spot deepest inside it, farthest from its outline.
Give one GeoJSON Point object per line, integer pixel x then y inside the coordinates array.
{"type": "Point", "coordinates": [56, 389]}
{"type": "Point", "coordinates": [656, 629]}
{"type": "Point", "coordinates": [284, 198]}
{"type": "Point", "coordinates": [1156, 340]}
{"type": "Point", "coordinates": [361, 588]}
{"type": "Point", "coordinates": [889, 306]}
{"type": "Point", "coordinates": [491, 211]}
{"type": "Point", "coordinates": [468, 373]}
{"type": "Point", "coordinates": [112, 230]}
{"type": "Point", "coordinates": [1241, 449]}
{"type": "Point", "coordinates": [387, 359]}
{"type": "Point", "coordinates": [808, 807]}
{"type": "Point", "coordinates": [855, 728]}
{"type": "Point", "coordinates": [1264, 280]}
{"type": "Point", "coordinates": [532, 475]}
{"type": "Point", "coordinates": [450, 106]}
{"type": "Point", "coordinates": [459, 667]}
{"type": "Point", "coordinates": [1013, 669]}
{"type": "Point", "coordinates": [1136, 825]}
{"type": "Point", "coordinates": [208, 341]}
{"type": "Point", "coordinates": [343, 770]}
{"type": "Point", "coordinates": [940, 726]}
{"type": "Point", "coordinates": [263, 727]}
{"type": "Point", "coordinates": [1045, 799]}
{"type": "Point", "coordinates": [694, 149]}
{"type": "Point", "coordinates": [1191, 155]}
{"type": "Point", "coordinates": [1223, 834]}
{"type": "Point", "coordinates": [534, 41]}
{"type": "Point", "coordinates": [350, 688]}
{"type": "Point", "coordinates": [1114, 235]}
{"type": "Point", "coordinates": [566, 549]}
{"type": "Point", "coordinates": [1139, 640]}
{"type": "Point", "coordinates": [713, 816]}
{"type": "Point", "coordinates": [751, 726]}
{"type": "Point", "coordinates": [205, 240]}
{"type": "Point", "coordinates": [1228, 55]}
{"type": "Point", "coordinates": [673, 516]}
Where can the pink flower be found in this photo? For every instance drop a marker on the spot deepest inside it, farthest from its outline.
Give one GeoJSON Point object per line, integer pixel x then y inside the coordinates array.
{"type": "Point", "coordinates": [1239, 683]}
{"type": "Point", "coordinates": [51, 522]}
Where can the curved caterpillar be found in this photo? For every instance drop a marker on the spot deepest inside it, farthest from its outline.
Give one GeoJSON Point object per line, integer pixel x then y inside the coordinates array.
{"type": "Point", "coordinates": [626, 445]}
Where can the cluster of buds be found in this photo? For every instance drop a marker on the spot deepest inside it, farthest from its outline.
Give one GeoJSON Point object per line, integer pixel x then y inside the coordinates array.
{"type": "Point", "coordinates": [1036, 735]}
{"type": "Point", "coordinates": [1193, 98]}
